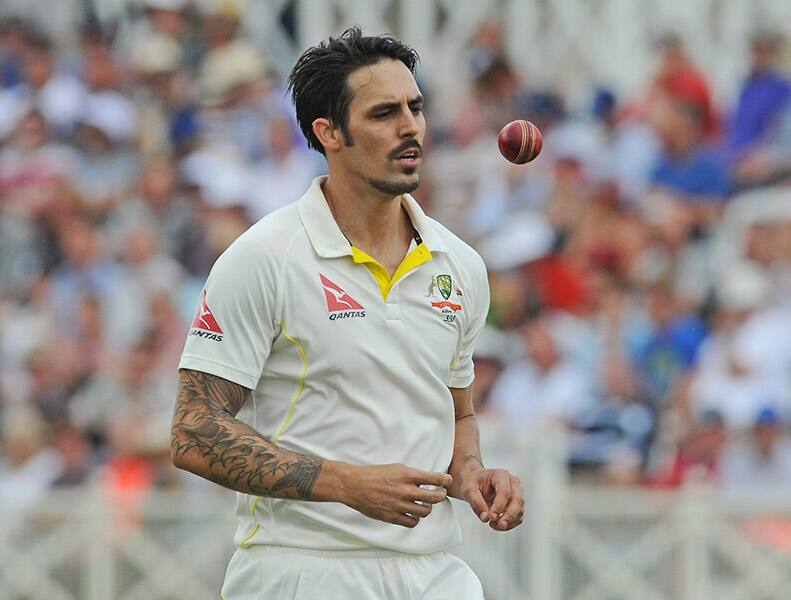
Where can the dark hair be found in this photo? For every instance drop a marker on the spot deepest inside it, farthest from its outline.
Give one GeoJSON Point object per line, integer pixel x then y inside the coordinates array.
{"type": "Point", "coordinates": [318, 81]}
{"type": "Point", "coordinates": [38, 42]}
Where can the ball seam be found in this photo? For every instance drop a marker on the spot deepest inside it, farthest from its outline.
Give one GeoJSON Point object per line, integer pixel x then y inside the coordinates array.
{"type": "Point", "coordinates": [521, 154]}
{"type": "Point", "coordinates": [533, 138]}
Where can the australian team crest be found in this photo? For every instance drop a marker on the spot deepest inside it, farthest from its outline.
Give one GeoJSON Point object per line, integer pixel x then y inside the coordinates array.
{"type": "Point", "coordinates": [445, 285]}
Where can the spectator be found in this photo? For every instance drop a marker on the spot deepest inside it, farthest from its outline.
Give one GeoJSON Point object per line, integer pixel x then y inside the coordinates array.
{"type": "Point", "coordinates": [687, 166]}
{"type": "Point", "coordinates": [763, 460]}
{"type": "Point", "coordinates": [763, 95]}
{"type": "Point", "coordinates": [59, 97]}
{"type": "Point", "coordinates": [160, 205]}
{"type": "Point", "coordinates": [137, 389]}
{"type": "Point", "coordinates": [231, 77]}
{"type": "Point", "coordinates": [28, 466]}
{"type": "Point", "coordinates": [615, 435]}
{"type": "Point", "coordinates": [491, 356]}
{"type": "Point", "coordinates": [31, 162]}
{"type": "Point", "coordinates": [145, 272]}
{"type": "Point", "coordinates": [670, 347]}
{"type": "Point", "coordinates": [744, 365]}
{"type": "Point", "coordinates": [683, 83]}
{"type": "Point", "coordinates": [697, 459]}
{"type": "Point", "coordinates": [27, 321]}
{"type": "Point", "coordinates": [107, 166]}
{"type": "Point", "coordinates": [286, 170]}
{"type": "Point", "coordinates": [85, 269]}
{"type": "Point", "coordinates": [544, 385]}
{"type": "Point", "coordinates": [495, 87]}
{"type": "Point", "coordinates": [676, 251]}
{"type": "Point", "coordinates": [13, 37]}
{"type": "Point", "coordinates": [161, 94]}
{"type": "Point", "coordinates": [78, 461]}
{"type": "Point", "coordinates": [161, 18]}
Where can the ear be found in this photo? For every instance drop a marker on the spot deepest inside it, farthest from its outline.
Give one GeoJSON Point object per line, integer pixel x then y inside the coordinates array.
{"type": "Point", "coordinates": [329, 136]}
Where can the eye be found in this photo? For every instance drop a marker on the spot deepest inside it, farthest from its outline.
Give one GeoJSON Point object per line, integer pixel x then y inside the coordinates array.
{"type": "Point", "coordinates": [417, 109]}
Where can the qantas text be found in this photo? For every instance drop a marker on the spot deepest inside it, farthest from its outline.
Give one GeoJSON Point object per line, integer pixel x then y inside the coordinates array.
{"type": "Point", "coordinates": [346, 314]}
{"type": "Point", "coordinates": [207, 335]}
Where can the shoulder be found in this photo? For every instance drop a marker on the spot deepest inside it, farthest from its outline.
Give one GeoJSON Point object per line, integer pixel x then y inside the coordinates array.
{"type": "Point", "coordinates": [271, 234]}
{"type": "Point", "coordinates": [267, 243]}
{"type": "Point", "coordinates": [459, 250]}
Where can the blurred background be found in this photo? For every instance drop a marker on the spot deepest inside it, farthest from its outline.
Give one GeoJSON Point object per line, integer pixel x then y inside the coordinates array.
{"type": "Point", "coordinates": [636, 366]}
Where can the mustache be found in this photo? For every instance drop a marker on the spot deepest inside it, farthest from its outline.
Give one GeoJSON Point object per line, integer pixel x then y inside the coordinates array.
{"type": "Point", "coordinates": [413, 143]}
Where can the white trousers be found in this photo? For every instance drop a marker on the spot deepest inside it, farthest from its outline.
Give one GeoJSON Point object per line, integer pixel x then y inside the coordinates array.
{"type": "Point", "coordinates": [280, 573]}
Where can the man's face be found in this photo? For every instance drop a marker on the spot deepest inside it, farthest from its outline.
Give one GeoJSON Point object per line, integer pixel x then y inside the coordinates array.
{"type": "Point", "coordinates": [386, 126]}
{"type": "Point", "coordinates": [766, 436]}
{"type": "Point", "coordinates": [38, 68]}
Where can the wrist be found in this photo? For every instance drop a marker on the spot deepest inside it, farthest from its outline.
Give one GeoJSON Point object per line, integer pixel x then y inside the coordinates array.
{"type": "Point", "coordinates": [468, 464]}
{"type": "Point", "coordinates": [460, 470]}
{"type": "Point", "coordinates": [331, 484]}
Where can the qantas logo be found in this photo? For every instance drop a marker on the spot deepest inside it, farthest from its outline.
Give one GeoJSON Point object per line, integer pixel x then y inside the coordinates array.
{"type": "Point", "coordinates": [205, 325]}
{"type": "Point", "coordinates": [339, 303]}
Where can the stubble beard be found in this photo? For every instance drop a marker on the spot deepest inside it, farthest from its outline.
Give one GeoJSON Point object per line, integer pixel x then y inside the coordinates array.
{"type": "Point", "coordinates": [394, 187]}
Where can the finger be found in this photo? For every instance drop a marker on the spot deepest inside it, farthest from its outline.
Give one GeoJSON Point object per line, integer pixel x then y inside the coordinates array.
{"type": "Point", "coordinates": [429, 496]}
{"type": "Point", "coordinates": [419, 477]}
{"type": "Point", "coordinates": [478, 504]}
{"type": "Point", "coordinates": [510, 518]}
{"type": "Point", "coordinates": [495, 525]}
{"type": "Point", "coordinates": [413, 508]}
{"type": "Point", "coordinates": [512, 525]}
{"type": "Point", "coordinates": [516, 506]}
{"type": "Point", "coordinates": [501, 482]}
{"type": "Point", "coordinates": [405, 520]}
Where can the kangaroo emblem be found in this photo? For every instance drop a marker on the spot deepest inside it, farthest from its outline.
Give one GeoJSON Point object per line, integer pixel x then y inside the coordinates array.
{"type": "Point", "coordinates": [431, 287]}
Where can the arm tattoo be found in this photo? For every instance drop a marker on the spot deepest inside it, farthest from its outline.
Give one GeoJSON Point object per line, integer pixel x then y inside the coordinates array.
{"type": "Point", "coordinates": [208, 440]}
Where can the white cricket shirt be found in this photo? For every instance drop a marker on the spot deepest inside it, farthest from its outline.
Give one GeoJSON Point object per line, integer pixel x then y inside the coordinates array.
{"type": "Point", "coordinates": [344, 362]}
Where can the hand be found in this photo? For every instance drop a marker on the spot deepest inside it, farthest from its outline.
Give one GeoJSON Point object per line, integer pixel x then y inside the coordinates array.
{"type": "Point", "coordinates": [496, 497]}
{"type": "Point", "coordinates": [393, 493]}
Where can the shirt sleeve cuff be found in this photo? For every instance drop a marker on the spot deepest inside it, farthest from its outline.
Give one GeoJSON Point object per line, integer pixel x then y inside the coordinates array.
{"type": "Point", "coordinates": [462, 379]}
{"type": "Point", "coordinates": [211, 367]}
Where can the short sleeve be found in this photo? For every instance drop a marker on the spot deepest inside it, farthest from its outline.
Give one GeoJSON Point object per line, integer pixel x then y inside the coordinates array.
{"type": "Point", "coordinates": [234, 325]}
{"type": "Point", "coordinates": [462, 371]}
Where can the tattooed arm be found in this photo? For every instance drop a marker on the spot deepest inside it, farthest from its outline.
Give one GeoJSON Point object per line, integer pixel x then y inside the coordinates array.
{"type": "Point", "coordinates": [207, 439]}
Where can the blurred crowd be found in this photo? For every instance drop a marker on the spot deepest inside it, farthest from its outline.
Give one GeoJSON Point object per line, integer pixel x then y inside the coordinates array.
{"type": "Point", "coordinates": [640, 267]}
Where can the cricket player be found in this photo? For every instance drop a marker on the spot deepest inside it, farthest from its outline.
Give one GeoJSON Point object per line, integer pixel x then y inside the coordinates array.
{"type": "Point", "coordinates": [327, 376]}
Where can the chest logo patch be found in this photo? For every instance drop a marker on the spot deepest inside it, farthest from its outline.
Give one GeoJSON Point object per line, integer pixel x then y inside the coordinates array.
{"type": "Point", "coordinates": [444, 285]}
{"type": "Point", "coordinates": [340, 304]}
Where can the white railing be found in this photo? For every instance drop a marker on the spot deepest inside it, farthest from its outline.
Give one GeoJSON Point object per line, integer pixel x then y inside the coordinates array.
{"type": "Point", "coordinates": [577, 543]}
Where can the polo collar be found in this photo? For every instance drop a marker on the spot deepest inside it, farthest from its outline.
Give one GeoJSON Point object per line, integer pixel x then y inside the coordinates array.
{"type": "Point", "coordinates": [327, 238]}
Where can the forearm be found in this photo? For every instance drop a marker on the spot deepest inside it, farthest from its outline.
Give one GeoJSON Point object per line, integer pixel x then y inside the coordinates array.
{"type": "Point", "coordinates": [466, 453]}
{"type": "Point", "coordinates": [230, 453]}
{"type": "Point", "coordinates": [208, 440]}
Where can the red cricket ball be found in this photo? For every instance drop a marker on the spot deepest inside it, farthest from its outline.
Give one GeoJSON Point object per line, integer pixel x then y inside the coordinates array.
{"type": "Point", "coordinates": [519, 141]}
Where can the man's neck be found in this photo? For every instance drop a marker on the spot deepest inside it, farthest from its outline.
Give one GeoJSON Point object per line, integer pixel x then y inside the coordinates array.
{"type": "Point", "coordinates": [372, 221]}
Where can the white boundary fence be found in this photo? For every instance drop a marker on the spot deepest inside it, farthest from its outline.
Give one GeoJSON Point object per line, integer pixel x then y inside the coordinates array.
{"type": "Point", "coordinates": [577, 543]}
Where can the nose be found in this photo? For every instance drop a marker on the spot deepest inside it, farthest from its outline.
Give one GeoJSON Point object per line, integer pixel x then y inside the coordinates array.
{"type": "Point", "coordinates": [408, 126]}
